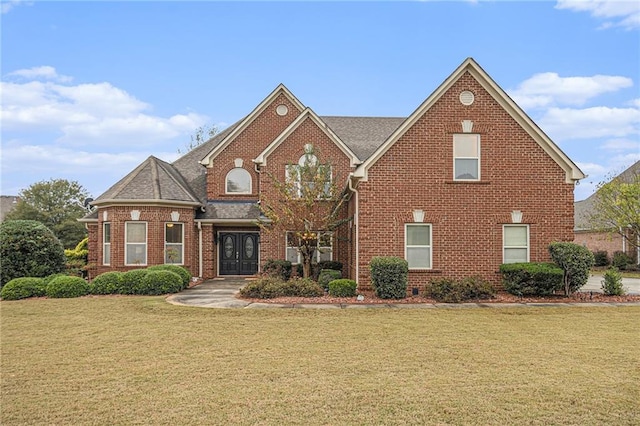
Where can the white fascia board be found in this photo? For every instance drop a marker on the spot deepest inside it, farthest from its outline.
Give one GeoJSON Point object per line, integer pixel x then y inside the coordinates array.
{"type": "Point", "coordinates": [206, 161]}
{"type": "Point", "coordinates": [307, 113]}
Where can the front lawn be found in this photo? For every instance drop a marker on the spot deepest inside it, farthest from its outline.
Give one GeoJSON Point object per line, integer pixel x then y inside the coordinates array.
{"type": "Point", "coordinates": [139, 360]}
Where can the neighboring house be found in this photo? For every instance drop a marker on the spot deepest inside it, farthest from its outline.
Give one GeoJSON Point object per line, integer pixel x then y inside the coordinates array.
{"type": "Point", "coordinates": [595, 240]}
{"type": "Point", "coordinates": [7, 203]}
{"type": "Point", "coordinates": [465, 183]}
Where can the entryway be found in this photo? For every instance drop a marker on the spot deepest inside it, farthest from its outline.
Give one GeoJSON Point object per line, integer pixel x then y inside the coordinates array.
{"type": "Point", "coordinates": [238, 253]}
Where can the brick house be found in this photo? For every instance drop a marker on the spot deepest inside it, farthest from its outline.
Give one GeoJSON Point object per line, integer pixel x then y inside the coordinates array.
{"type": "Point", "coordinates": [465, 183]}
{"type": "Point", "coordinates": [596, 240]}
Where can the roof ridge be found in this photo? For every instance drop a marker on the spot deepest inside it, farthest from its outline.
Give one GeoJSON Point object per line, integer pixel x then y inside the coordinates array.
{"type": "Point", "coordinates": [169, 169]}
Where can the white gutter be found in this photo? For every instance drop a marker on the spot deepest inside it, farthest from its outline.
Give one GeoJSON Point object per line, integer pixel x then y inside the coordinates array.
{"type": "Point", "coordinates": [199, 250]}
{"type": "Point", "coordinates": [356, 224]}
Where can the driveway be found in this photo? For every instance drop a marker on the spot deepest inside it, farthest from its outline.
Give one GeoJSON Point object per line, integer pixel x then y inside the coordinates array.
{"type": "Point", "coordinates": [631, 285]}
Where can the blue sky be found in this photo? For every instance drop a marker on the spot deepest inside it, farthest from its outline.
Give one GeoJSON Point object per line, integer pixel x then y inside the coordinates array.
{"type": "Point", "coordinates": [91, 89]}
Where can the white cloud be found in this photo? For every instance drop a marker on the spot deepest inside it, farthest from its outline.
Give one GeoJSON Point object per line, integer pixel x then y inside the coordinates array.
{"type": "Point", "coordinates": [93, 113]}
{"type": "Point", "coordinates": [549, 89]}
{"type": "Point", "coordinates": [596, 122]}
{"type": "Point", "coordinates": [592, 168]}
{"type": "Point", "coordinates": [615, 13]}
{"type": "Point", "coordinates": [45, 72]}
{"type": "Point", "coordinates": [7, 6]}
{"type": "Point", "coordinates": [620, 145]}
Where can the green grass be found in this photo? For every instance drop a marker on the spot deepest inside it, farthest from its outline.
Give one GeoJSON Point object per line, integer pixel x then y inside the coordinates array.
{"type": "Point", "coordinates": [139, 360]}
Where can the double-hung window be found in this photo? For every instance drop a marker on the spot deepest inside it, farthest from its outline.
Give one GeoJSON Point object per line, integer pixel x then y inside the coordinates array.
{"type": "Point", "coordinates": [418, 246]}
{"type": "Point", "coordinates": [135, 244]}
{"type": "Point", "coordinates": [323, 247]}
{"type": "Point", "coordinates": [466, 157]}
{"type": "Point", "coordinates": [174, 243]}
{"type": "Point", "coordinates": [106, 243]}
{"type": "Point", "coordinates": [515, 243]}
{"type": "Point", "coordinates": [309, 177]}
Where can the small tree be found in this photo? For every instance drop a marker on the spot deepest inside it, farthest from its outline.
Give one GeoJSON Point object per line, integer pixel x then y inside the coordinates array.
{"type": "Point", "coordinates": [576, 262]}
{"type": "Point", "coordinates": [305, 204]}
{"type": "Point", "coordinates": [616, 207]}
{"type": "Point", "coordinates": [28, 249]}
{"type": "Point", "coordinates": [57, 204]}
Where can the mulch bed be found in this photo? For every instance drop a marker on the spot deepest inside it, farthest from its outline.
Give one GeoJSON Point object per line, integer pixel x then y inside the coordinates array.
{"type": "Point", "coordinates": [369, 299]}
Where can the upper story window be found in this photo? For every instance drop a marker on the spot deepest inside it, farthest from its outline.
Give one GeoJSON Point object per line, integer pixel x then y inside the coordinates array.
{"type": "Point", "coordinates": [309, 177]}
{"type": "Point", "coordinates": [238, 181]}
{"type": "Point", "coordinates": [466, 157]}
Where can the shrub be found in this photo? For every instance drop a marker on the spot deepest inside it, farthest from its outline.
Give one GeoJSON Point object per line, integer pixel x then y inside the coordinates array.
{"type": "Point", "coordinates": [22, 288]}
{"type": "Point", "coordinates": [271, 287]}
{"type": "Point", "coordinates": [277, 268]}
{"type": "Point", "coordinates": [184, 274]}
{"type": "Point", "coordinates": [601, 258]}
{"type": "Point", "coordinates": [28, 249]}
{"type": "Point", "coordinates": [330, 264]}
{"type": "Point", "coordinates": [529, 279]}
{"type": "Point", "coordinates": [621, 260]}
{"type": "Point", "coordinates": [160, 282]}
{"type": "Point", "coordinates": [451, 291]}
{"type": "Point", "coordinates": [328, 275]}
{"type": "Point", "coordinates": [612, 283]}
{"type": "Point", "coordinates": [576, 262]}
{"type": "Point", "coordinates": [342, 288]}
{"type": "Point", "coordinates": [107, 283]}
{"type": "Point", "coordinates": [132, 281]}
{"type": "Point", "coordinates": [80, 253]}
{"type": "Point", "coordinates": [389, 277]}
{"type": "Point", "coordinates": [46, 280]}
{"type": "Point", "coordinates": [67, 286]}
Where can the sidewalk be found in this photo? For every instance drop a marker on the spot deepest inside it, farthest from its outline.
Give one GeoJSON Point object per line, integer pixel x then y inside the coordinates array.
{"type": "Point", "coordinates": [220, 293]}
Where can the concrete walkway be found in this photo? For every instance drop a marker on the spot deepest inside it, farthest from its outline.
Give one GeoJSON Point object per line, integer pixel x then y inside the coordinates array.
{"type": "Point", "coordinates": [221, 293]}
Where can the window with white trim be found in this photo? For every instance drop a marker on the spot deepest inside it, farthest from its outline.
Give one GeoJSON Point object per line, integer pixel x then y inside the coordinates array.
{"type": "Point", "coordinates": [135, 243]}
{"type": "Point", "coordinates": [515, 243]}
{"type": "Point", "coordinates": [418, 246]}
{"type": "Point", "coordinates": [174, 243]}
{"type": "Point", "coordinates": [306, 174]}
{"type": "Point", "coordinates": [466, 157]}
{"type": "Point", "coordinates": [106, 243]}
{"type": "Point", "coordinates": [323, 245]}
{"type": "Point", "coordinates": [238, 181]}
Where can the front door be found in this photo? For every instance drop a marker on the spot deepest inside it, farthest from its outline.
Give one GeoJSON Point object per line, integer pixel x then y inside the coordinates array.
{"type": "Point", "coordinates": [238, 253]}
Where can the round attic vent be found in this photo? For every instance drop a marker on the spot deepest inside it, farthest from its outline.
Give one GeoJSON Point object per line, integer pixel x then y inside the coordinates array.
{"type": "Point", "coordinates": [466, 98]}
{"type": "Point", "coordinates": [282, 110]}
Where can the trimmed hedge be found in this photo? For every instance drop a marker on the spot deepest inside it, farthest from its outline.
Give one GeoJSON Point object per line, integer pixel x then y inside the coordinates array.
{"type": "Point", "coordinates": [447, 290]}
{"type": "Point", "coordinates": [107, 283]}
{"type": "Point", "coordinates": [277, 268]}
{"type": "Point", "coordinates": [160, 282]}
{"type": "Point", "coordinates": [531, 279]}
{"type": "Point", "coordinates": [272, 287]}
{"type": "Point", "coordinates": [23, 288]}
{"type": "Point", "coordinates": [389, 277]}
{"type": "Point", "coordinates": [184, 274]}
{"type": "Point", "coordinates": [328, 275]}
{"type": "Point", "coordinates": [132, 281]}
{"type": "Point", "coordinates": [342, 288]}
{"type": "Point", "coordinates": [67, 286]}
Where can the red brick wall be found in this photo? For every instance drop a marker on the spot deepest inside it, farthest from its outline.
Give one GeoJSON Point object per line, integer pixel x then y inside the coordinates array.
{"type": "Point", "coordinates": [156, 217]}
{"type": "Point", "coordinates": [417, 173]}
{"type": "Point", "coordinates": [247, 146]}
{"type": "Point", "coordinates": [272, 244]}
{"type": "Point", "coordinates": [604, 241]}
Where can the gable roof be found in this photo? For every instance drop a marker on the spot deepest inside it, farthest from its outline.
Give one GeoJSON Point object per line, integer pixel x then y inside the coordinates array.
{"type": "Point", "coordinates": [307, 114]}
{"type": "Point", "coordinates": [583, 209]}
{"type": "Point", "coordinates": [153, 181]}
{"type": "Point", "coordinates": [244, 123]}
{"type": "Point", "coordinates": [573, 173]}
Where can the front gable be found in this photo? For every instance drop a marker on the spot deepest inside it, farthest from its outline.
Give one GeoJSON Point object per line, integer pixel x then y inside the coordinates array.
{"type": "Point", "coordinates": [469, 68]}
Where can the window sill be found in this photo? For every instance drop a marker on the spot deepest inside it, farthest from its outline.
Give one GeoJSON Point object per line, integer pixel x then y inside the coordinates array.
{"type": "Point", "coordinates": [425, 271]}
{"type": "Point", "coordinates": [471, 182]}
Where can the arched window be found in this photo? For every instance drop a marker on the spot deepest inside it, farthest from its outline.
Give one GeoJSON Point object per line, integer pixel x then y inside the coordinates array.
{"type": "Point", "coordinates": [238, 181]}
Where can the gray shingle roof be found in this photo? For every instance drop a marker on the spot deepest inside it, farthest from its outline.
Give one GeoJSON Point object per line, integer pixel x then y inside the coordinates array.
{"type": "Point", "coordinates": [154, 179]}
{"type": "Point", "coordinates": [583, 209]}
{"type": "Point", "coordinates": [230, 210]}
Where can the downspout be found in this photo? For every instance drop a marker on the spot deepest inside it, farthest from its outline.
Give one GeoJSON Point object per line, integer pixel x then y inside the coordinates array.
{"type": "Point", "coordinates": [356, 224]}
{"type": "Point", "coordinates": [200, 249]}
